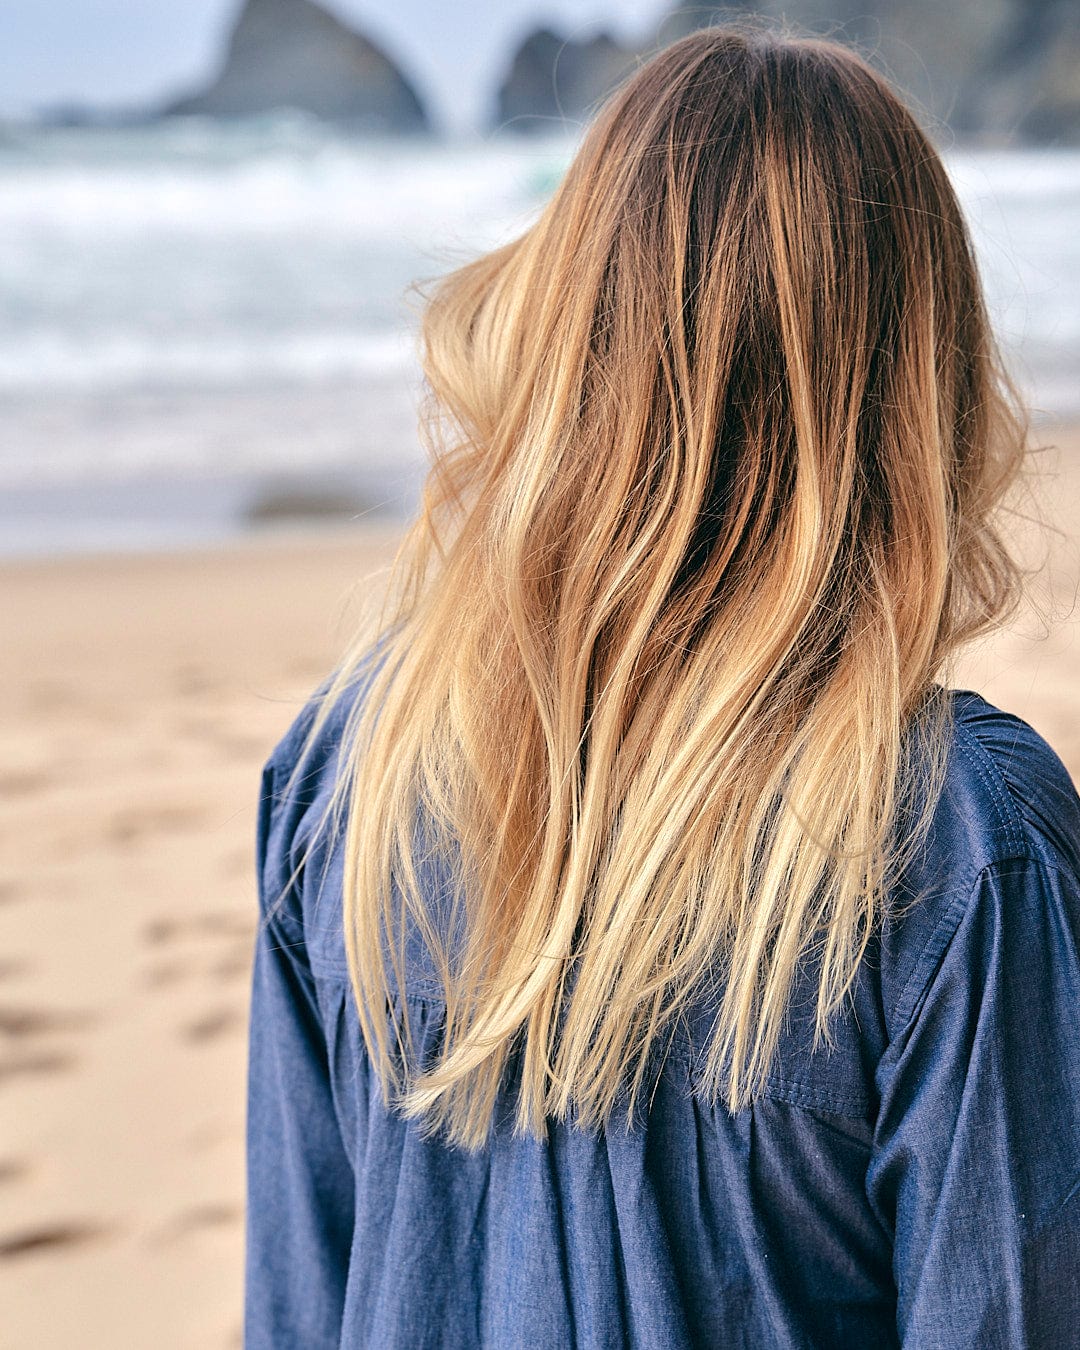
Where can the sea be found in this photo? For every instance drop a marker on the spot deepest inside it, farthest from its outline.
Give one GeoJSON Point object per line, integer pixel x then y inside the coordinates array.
{"type": "Point", "coordinates": [209, 329]}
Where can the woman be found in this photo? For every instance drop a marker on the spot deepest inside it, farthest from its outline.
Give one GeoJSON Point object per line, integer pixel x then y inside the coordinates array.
{"type": "Point", "coordinates": [653, 953]}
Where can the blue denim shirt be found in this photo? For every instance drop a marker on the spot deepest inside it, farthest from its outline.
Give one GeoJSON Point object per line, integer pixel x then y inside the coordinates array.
{"type": "Point", "coordinates": [917, 1185]}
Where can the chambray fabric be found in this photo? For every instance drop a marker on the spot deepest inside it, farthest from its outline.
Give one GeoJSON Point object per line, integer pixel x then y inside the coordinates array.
{"type": "Point", "coordinates": [917, 1185]}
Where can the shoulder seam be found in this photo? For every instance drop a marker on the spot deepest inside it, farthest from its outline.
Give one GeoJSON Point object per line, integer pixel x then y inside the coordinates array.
{"type": "Point", "coordinates": [934, 949]}
{"type": "Point", "coordinates": [993, 779]}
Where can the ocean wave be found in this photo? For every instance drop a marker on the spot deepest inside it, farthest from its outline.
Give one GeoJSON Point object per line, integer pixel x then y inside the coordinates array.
{"type": "Point", "coordinates": [358, 189]}
{"type": "Point", "coordinates": [109, 362]}
{"type": "Point", "coordinates": [197, 290]}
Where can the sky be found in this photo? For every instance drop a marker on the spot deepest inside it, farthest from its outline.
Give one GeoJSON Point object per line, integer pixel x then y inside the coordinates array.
{"type": "Point", "coordinates": [119, 53]}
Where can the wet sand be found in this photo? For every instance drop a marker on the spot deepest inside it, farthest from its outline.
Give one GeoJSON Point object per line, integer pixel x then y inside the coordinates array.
{"type": "Point", "coordinates": [142, 695]}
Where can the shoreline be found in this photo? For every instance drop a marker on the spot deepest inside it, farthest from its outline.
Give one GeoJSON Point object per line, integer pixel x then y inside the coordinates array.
{"type": "Point", "coordinates": [159, 513]}
{"type": "Point", "coordinates": [155, 514]}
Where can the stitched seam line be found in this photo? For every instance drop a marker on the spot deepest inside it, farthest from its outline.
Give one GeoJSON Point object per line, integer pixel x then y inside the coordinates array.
{"type": "Point", "coordinates": [994, 781]}
{"type": "Point", "coordinates": [800, 1094]}
{"type": "Point", "coordinates": [931, 952]}
{"type": "Point", "coordinates": [937, 944]}
{"type": "Point", "coordinates": [416, 987]}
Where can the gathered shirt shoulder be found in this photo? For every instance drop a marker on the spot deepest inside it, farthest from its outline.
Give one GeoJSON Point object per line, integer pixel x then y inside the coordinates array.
{"type": "Point", "coordinates": [916, 1183]}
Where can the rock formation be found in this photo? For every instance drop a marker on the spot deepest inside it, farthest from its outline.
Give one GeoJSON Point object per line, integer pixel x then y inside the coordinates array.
{"type": "Point", "coordinates": [294, 54]}
{"type": "Point", "coordinates": [553, 81]}
{"type": "Point", "coordinates": [1004, 72]}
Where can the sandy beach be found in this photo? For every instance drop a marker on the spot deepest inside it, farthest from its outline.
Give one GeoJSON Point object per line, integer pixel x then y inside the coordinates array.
{"type": "Point", "coordinates": [142, 694]}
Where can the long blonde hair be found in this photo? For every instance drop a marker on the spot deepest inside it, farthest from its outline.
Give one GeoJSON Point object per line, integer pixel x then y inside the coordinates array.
{"type": "Point", "coordinates": [716, 444]}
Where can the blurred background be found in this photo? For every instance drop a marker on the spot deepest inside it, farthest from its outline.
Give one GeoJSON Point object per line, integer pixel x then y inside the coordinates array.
{"type": "Point", "coordinates": [210, 215]}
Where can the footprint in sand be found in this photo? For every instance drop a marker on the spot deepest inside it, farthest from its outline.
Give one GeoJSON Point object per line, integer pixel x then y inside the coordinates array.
{"type": "Point", "coordinates": [12, 1066]}
{"type": "Point", "coordinates": [19, 1024]}
{"type": "Point", "coordinates": [216, 946]}
{"type": "Point", "coordinates": [212, 1025]}
{"type": "Point", "coordinates": [234, 746]}
{"type": "Point", "coordinates": [198, 1218]}
{"type": "Point", "coordinates": [229, 969]}
{"type": "Point", "coordinates": [194, 680]}
{"type": "Point", "coordinates": [220, 734]}
{"type": "Point", "coordinates": [47, 696]}
{"type": "Point", "coordinates": [239, 862]}
{"type": "Point", "coordinates": [47, 1237]}
{"type": "Point", "coordinates": [25, 782]}
{"type": "Point", "coordinates": [235, 967]}
{"type": "Point", "coordinates": [12, 1169]}
{"type": "Point", "coordinates": [167, 972]}
{"type": "Point", "coordinates": [131, 827]}
{"type": "Point", "coordinates": [216, 923]}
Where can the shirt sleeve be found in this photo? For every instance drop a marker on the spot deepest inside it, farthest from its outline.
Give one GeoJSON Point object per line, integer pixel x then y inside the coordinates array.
{"type": "Point", "coordinates": [976, 1159]}
{"type": "Point", "coordinates": [300, 1182]}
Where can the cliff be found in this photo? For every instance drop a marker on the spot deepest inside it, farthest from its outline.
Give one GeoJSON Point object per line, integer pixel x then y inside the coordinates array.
{"type": "Point", "coordinates": [294, 54]}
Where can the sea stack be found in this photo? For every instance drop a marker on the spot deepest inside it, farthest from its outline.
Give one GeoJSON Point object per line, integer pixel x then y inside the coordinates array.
{"type": "Point", "coordinates": [294, 54]}
{"type": "Point", "coordinates": [554, 80]}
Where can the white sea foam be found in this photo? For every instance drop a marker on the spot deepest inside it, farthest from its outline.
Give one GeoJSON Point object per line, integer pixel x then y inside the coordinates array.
{"type": "Point", "coordinates": [173, 299]}
{"type": "Point", "coordinates": [49, 361]}
{"type": "Point", "coordinates": [114, 184]}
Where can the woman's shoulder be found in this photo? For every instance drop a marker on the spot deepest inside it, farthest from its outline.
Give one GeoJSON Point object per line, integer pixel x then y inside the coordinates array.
{"type": "Point", "coordinates": [306, 756]}
{"type": "Point", "coordinates": [1007, 795]}
{"type": "Point", "coordinates": [1002, 849]}
{"type": "Point", "coordinates": [1007, 807]}
{"type": "Point", "coordinates": [298, 781]}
